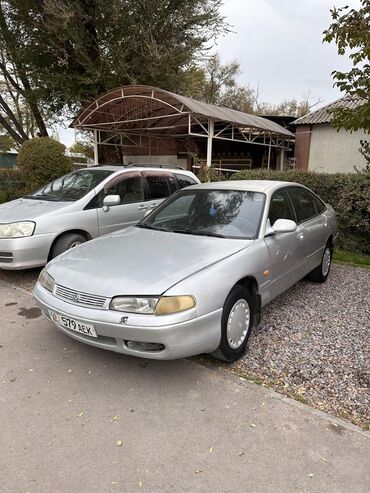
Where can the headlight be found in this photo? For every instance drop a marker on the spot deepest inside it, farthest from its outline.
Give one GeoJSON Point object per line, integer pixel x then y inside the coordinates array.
{"type": "Point", "coordinates": [46, 280]}
{"type": "Point", "coordinates": [134, 305]}
{"type": "Point", "coordinates": [17, 230]}
{"type": "Point", "coordinates": [174, 304]}
{"type": "Point", "coordinates": [153, 306]}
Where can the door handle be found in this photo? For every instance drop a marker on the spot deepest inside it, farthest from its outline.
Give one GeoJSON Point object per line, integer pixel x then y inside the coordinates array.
{"type": "Point", "coordinates": [153, 204]}
{"type": "Point", "coordinates": [142, 207]}
{"type": "Point", "coordinates": [300, 236]}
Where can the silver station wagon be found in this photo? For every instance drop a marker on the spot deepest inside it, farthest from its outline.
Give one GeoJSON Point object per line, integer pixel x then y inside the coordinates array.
{"type": "Point", "coordinates": [193, 275]}
{"type": "Point", "coordinates": [80, 206]}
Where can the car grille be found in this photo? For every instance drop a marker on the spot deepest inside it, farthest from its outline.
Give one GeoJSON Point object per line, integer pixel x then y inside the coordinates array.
{"type": "Point", "coordinates": [6, 257]}
{"type": "Point", "coordinates": [83, 299]}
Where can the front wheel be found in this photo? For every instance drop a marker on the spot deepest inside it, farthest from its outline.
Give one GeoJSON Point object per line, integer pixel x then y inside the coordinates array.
{"type": "Point", "coordinates": [236, 324]}
{"type": "Point", "coordinates": [66, 242]}
{"type": "Point", "coordinates": [321, 273]}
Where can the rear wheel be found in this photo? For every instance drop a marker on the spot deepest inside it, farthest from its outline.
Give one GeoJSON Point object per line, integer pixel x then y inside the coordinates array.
{"type": "Point", "coordinates": [321, 273]}
{"type": "Point", "coordinates": [66, 242]}
{"type": "Point", "coordinates": [236, 324]}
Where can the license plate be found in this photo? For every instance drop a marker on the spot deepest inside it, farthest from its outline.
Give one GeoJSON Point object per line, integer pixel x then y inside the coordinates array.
{"type": "Point", "coordinates": [72, 324]}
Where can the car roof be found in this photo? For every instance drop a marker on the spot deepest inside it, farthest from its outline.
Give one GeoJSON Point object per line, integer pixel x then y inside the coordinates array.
{"type": "Point", "coordinates": [140, 167]}
{"type": "Point", "coordinates": [246, 185]}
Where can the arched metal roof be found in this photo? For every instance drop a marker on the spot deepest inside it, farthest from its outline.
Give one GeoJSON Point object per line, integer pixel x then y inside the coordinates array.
{"type": "Point", "coordinates": [148, 110]}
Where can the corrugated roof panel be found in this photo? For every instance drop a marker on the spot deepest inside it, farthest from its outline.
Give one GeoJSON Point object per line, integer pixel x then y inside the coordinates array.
{"type": "Point", "coordinates": [111, 100]}
{"type": "Point", "coordinates": [324, 114]}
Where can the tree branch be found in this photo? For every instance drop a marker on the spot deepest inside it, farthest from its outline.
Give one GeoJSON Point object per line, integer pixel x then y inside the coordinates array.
{"type": "Point", "coordinates": [13, 118]}
{"type": "Point", "coordinates": [11, 131]}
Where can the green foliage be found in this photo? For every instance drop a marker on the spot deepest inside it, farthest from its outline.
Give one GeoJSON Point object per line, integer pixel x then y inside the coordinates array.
{"type": "Point", "coordinates": [84, 148]}
{"type": "Point", "coordinates": [6, 143]}
{"type": "Point", "coordinates": [41, 160]}
{"type": "Point", "coordinates": [11, 185]}
{"type": "Point", "coordinates": [210, 174]}
{"type": "Point", "coordinates": [348, 193]}
{"type": "Point", "coordinates": [350, 30]}
{"type": "Point", "coordinates": [76, 49]}
{"type": "Point", "coordinates": [351, 258]}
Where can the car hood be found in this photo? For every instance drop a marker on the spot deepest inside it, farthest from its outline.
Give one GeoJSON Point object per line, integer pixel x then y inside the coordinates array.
{"type": "Point", "coordinates": [137, 261]}
{"type": "Point", "coordinates": [27, 209]}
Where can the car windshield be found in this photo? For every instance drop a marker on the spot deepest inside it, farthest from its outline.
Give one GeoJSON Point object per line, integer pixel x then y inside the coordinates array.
{"type": "Point", "coordinates": [71, 187]}
{"type": "Point", "coordinates": [220, 213]}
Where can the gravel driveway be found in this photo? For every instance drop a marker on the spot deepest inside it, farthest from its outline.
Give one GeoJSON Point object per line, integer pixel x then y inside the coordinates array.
{"type": "Point", "coordinates": [313, 343]}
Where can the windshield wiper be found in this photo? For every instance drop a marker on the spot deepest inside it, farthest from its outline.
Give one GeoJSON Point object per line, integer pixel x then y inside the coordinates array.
{"type": "Point", "coordinates": [149, 226]}
{"type": "Point", "coordinates": [38, 197]}
{"type": "Point", "coordinates": [197, 233]}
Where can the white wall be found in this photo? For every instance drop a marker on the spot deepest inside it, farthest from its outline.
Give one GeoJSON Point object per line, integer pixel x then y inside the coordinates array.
{"type": "Point", "coordinates": [170, 159]}
{"type": "Point", "coordinates": [335, 152]}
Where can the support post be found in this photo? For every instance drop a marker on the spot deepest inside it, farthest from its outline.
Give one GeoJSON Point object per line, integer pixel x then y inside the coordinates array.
{"type": "Point", "coordinates": [96, 156]}
{"type": "Point", "coordinates": [211, 130]}
{"type": "Point", "coordinates": [269, 156]}
{"type": "Point", "coordinates": [282, 159]}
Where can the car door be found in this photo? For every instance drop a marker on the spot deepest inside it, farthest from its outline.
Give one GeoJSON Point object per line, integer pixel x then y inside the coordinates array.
{"type": "Point", "coordinates": [159, 185]}
{"type": "Point", "coordinates": [285, 249]}
{"type": "Point", "coordinates": [310, 225]}
{"type": "Point", "coordinates": [130, 187]}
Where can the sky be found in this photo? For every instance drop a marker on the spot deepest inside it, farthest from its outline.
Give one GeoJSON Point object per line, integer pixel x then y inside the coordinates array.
{"type": "Point", "coordinates": [278, 44]}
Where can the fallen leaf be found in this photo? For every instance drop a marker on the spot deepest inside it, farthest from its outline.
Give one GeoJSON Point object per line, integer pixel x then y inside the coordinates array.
{"type": "Point", "coordinates": [242, 378]}
{"type": "Point", "coordinates": [70, 371]}
{"type": "Point", "coordinates": [115, 418]}
{"type": "Point", "coordinates": [252, 425]}
{"type": "Point", "coordinates": [240, 453]}
{"type": "Point", "coordinates": [81, 414]}
{"type": "Point", "coordinates": [119, 443]}
{"type": "Point", "coordinates": [310, 475]}
{"type": "Point", "coordinates": [323, 458]}
{"type": "Point", "coordinates": [71, 402]}
{"type": "Point", "coordinates": [210, 450]}
{"type": "Point", "coordinates": [113, 482]}
{"type": "Point", "coordinates": [140, 484]}
{"type": "Point", "coordinates": [197, 471]}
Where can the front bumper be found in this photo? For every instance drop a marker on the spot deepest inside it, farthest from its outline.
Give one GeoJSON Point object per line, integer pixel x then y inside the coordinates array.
{"type": "Point", "coordinates": [25, 253]}
{"type": "Point", "coordinates": [183, 339]}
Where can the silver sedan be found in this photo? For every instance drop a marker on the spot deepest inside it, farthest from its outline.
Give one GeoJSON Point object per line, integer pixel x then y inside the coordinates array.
{"type": "Point", "coordinates": [193, 275]}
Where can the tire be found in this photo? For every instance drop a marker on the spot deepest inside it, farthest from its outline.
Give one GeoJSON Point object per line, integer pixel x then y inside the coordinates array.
{"type": "Point", "coordinates": [66, 242]}
{"type": "Point", "coordinates": [230, 349]}
{"type": "Point", "coordinates": [321, 273]}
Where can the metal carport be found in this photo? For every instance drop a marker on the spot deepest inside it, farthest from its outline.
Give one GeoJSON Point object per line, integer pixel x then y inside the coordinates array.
{"type": "Point", "coordinates": [130, 113]}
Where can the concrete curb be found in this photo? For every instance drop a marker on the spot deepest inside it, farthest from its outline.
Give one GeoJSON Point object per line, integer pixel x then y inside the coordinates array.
{"type": "Point", "coordinates": [280, 397]}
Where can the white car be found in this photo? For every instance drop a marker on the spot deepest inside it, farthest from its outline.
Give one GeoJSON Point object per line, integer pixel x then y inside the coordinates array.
{"type": "Point", "coordinates": [82, 205]}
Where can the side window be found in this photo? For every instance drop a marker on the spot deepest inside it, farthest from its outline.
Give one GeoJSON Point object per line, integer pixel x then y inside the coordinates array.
{"type": "Point", "coordinates": [280, 207]}
{"type": "Point", "coordinates": [303, 202]}
{"type": "Point", "coordinates": [160, 185]}
{"type": "Point", "coordinates": [320, 206]}
{"type": "Point", "coordinates": [128, 187]}
{"type": "Point", "coordinates": [184, 181]}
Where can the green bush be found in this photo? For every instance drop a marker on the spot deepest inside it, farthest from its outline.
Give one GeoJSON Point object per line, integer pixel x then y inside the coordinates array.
{"type": "Point", "coordinates": [12, 185]}
{"type": "Point", "coordinates": [348, 193]}
{"type": "Point", "coordinates": [210, 174]}
{"type": "Point", "coordinates": [42, 160]}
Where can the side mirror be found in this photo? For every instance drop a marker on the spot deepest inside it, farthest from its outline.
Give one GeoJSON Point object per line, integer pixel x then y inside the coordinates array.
{"type": "Point", "coordinates": [282, 226]}
{"type": "Point", "coordinates": [111, 200]}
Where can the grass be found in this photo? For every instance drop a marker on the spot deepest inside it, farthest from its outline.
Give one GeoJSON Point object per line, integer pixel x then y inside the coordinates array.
{"type": "Point", "coordinates": [351, 258]}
